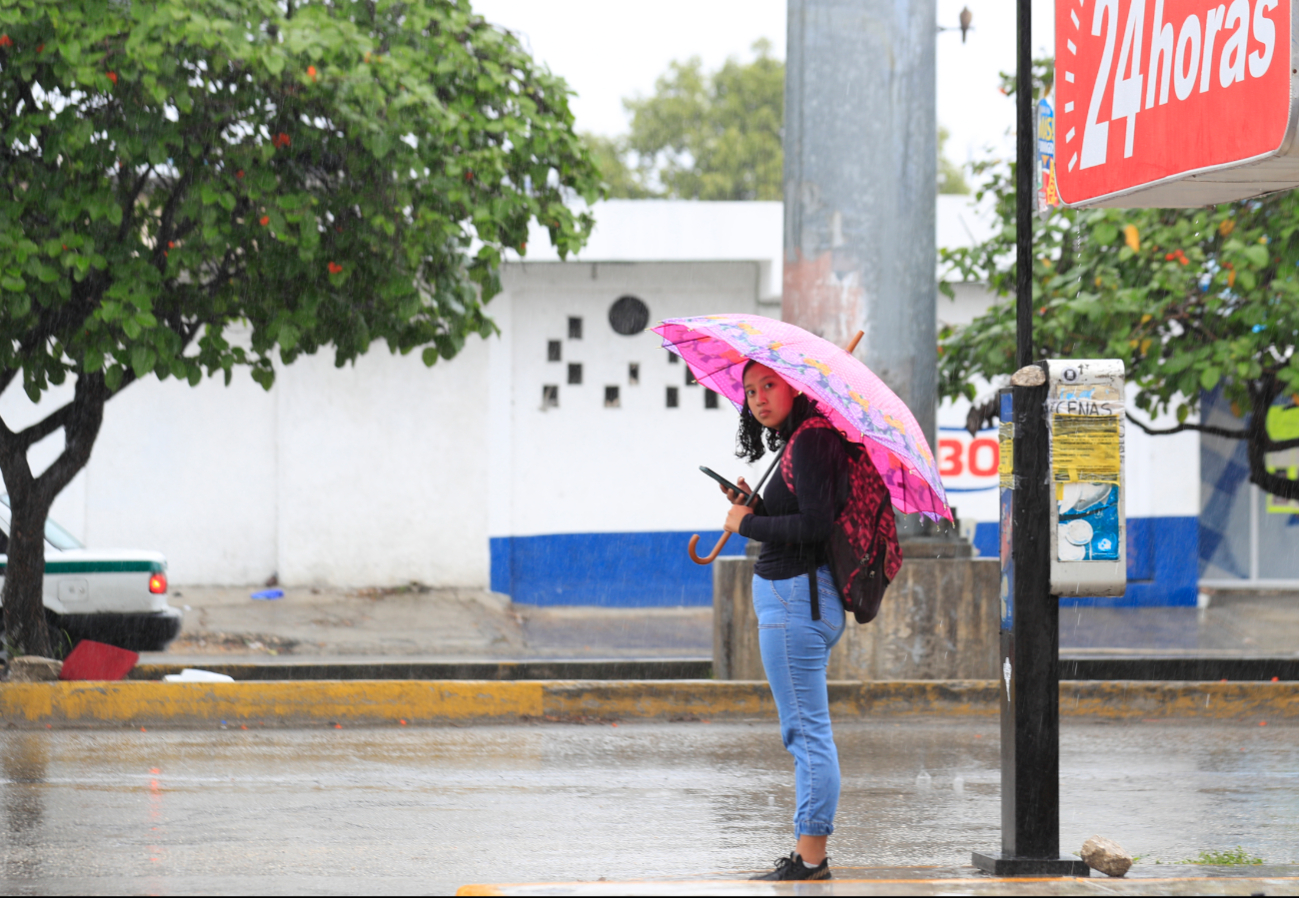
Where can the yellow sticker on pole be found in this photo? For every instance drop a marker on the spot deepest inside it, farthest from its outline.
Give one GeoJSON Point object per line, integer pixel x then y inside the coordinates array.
{"type": "Point", "coordinates": [1006, 456]}
{"type": "Point", "coordinates": [1086, 448]}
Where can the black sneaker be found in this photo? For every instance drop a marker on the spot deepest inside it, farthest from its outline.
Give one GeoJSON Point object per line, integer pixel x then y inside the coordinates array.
{"type": "Point", "coordinates": [792, 867]}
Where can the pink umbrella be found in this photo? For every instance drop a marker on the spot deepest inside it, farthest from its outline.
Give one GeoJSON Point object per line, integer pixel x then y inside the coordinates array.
{"type": "Point", "coordinates": [717, 347]}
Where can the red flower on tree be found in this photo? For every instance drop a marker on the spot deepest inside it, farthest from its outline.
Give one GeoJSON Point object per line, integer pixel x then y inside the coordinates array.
{"type": "Point", "coordinates": [281, 140]}
{"type": "Point", "coordinates": [311, 70]}
{"type": "Point", "coordinates": [265, 220]}
{"type": "Point", "coordinates": [335, 268]}
{"type": "Point", "coordinates": [6, 41]}
{"type": "Point", "coordinates": [112, 76]}
{"type": "Point", "coordinates": [240, 173]}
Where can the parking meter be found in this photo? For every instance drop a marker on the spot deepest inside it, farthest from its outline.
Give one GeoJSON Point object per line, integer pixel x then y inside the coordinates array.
{"type": "Point", "coordinates": [1084, 415]}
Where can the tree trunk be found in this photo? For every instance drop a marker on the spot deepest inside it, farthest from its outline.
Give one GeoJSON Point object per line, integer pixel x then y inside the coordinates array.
{"type": "Point", "coordinates": [1262, 394]}
{"type": "Point", "coordinates": [30, 499]}
{"type": "Point", "coordinates": [23, 597]}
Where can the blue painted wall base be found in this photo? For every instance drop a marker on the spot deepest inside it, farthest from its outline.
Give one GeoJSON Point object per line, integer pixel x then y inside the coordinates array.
{"type": "Point", "coordinates": [1163, 563]}
{"type": "Point", "coordinates": [646, 570]}
{"type": "Point", "coordinates": [615, 570]}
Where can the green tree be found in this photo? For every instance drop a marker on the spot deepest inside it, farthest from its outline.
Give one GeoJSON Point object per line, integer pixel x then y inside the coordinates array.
{"type": "Point", "coordinates": [1189, 299]}
{"type": "Point", "coordinates": [951, 176]}
{"type": "Point", "coordinates": [327, 173]}
{"type": "Point", "coordinates": [621, 181]}
{"type": "Point", "coordinates": [714, 136]}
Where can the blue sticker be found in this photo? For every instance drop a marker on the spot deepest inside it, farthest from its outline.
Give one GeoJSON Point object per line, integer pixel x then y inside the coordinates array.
{"type": "Point", "coordinates": [1088, 522]}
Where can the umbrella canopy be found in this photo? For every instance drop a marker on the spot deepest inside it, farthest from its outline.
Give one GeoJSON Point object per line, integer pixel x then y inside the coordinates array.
{"type": "Point", "coordinates": [717, 347]}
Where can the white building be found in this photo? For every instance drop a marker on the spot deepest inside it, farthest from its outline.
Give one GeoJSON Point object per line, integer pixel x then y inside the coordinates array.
{"type": "Point", "coordinates": [557, 463]}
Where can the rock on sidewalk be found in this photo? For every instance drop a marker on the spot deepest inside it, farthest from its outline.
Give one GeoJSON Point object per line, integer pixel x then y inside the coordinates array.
{"type": "Point", "coordinates": [1106, 856]}
{"type": "Point", "coordinates": [34, 669]}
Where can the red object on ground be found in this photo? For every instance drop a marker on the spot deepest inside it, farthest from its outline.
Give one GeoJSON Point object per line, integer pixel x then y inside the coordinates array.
{"type": "Point", "coordinates": [92, 660]}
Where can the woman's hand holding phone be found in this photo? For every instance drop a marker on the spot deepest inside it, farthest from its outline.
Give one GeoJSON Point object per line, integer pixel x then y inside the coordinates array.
{"type": "Point", "coordinates": [737, 497]}
{"type": "Point", "coordinates": [738, 507]}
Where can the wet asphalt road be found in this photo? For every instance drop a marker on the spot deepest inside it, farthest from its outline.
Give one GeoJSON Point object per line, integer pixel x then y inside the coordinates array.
{"type": "Point", "coordinates": [404, 810]}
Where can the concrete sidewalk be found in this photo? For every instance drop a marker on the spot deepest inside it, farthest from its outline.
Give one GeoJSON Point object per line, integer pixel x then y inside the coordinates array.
{"type": "Point", "coordinates": [420, 624]}
{"type": "Point", "coordinates": [1172, 879]}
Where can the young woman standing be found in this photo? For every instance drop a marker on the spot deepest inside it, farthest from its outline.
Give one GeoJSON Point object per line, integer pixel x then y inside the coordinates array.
{"type": "Point", "coordinates": [794, 526]}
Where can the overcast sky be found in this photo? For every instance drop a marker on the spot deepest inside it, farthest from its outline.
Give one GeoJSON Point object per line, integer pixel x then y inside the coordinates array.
{"type": "Point", "coordinates": [611, 49]}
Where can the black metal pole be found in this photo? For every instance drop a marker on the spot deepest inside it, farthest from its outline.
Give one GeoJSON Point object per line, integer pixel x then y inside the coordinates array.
{"type": "Point", "coordinates": [1030, 669]}
{"type": "Point", "coordinates": [1025, 138]}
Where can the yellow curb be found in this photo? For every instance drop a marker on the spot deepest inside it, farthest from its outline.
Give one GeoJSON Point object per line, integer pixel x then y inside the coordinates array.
{"type": "Point", "coordinates": [431, 701]}
{"type": "Point", "coordinates": [287, 702]}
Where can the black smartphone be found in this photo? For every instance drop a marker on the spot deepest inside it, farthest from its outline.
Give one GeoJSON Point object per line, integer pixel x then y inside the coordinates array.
{"type": "Point", "coordinates": [722, 480]}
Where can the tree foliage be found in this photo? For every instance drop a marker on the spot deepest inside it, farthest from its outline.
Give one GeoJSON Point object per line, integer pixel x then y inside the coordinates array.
{"type": "Point", "coordinates": [327, 174]}
{"type": "Point", "coordinates": [951, 176]}
{"type": "Point", "coordinates": [713, 136]}
{"type": "Point", "coordinates": [1190, 299]}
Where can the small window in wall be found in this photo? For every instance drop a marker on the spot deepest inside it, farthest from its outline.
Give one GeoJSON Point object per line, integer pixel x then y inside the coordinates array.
{"type": "Point", "coordinates": [673, 358]}
{"type": "Point", "coordinates": [611, 397]}
{"type": "Point", "coordinates": [550, 396]}
{"type": "Point", "coordinates": [674, 397]}
{"type": "Point", "coordinates": [633, 373]}
{"type": "Point", "coordinates": [574, 372]}
{"type": "Point", "coordinates": [690, 378]}
{"type": "Point", "coordinates": [574, 328]}
{"type": "Point", "coordinates": [554, 351]}
{"type": "Point", "coordinates": [710, 399]}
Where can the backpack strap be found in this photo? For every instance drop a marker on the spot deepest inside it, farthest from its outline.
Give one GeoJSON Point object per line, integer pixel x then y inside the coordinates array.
{"type": "Point", "coordinates": [787, 472]}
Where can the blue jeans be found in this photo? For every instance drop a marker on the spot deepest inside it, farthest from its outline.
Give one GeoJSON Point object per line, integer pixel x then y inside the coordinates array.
{"type": "Point", "coordinates": [795, 652]}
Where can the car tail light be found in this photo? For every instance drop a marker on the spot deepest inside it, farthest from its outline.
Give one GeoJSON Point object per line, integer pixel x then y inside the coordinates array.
{"type": "Point", "coordinates": [158, 584]}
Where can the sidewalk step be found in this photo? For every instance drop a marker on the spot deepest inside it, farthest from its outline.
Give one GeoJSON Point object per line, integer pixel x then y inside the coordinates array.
{"type": "Point", "coordinates": [618, 669]}
{"type": "Point", "coordinates": [1072, 667]}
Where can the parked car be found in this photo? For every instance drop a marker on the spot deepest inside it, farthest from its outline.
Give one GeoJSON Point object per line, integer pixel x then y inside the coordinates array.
{"type": "Point", "coordinates": [117, 596]}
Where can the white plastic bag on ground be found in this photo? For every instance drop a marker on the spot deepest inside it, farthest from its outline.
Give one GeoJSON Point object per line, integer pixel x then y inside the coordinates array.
{"type": "Point", "coordinates": [193, 675]}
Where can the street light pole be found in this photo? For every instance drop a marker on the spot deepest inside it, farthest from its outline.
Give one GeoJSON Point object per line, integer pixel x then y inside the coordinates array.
{"type": "Point", "coordinates": [1030, 702]}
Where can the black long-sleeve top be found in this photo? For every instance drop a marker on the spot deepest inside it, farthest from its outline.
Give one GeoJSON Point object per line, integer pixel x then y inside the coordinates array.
{"type": "Point", "coordinates": [794, 527]}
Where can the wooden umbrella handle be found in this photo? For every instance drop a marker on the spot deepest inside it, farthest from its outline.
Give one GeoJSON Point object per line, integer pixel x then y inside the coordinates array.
{"type": "Point", "coordinates": [717, 549]}
{"type": "Point", "coordinates": [711, 556]}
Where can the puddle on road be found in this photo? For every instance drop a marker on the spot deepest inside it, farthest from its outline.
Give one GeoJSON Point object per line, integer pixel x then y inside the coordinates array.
{"type": "Point", "coordinates": [432, 808]}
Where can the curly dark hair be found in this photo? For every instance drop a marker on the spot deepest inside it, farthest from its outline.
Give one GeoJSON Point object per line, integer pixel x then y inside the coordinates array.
{"type": "Point", "coordinates": [748, 439]}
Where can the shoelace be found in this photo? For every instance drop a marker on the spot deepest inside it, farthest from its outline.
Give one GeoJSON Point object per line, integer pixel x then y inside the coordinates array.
{"type": "Point", "coordinates": [785, 863]}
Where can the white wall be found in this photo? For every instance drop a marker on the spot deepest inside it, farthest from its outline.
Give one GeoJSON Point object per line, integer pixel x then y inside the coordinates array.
{"type": "Point", "coordinates": [373, 474]}
{"type": "Point", "coordinates": [585, 468]}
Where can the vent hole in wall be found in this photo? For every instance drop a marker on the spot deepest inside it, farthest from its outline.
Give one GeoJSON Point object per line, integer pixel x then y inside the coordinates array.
{"type": "Point", "coordinates": [611, 397]}
{"type": "Point", "coordinates": [633, 373]}
{"type": "Point", "coordinates": [574, 372]}
{"type": "Point", "coordinates": [553, 351]}
{"type": "Point", "coordinates": [628, 315]}
{"type": "Point", "coordinates": [574, 328]}
{"type": "Point", "coordinates": [710, 399]}
{"type": "Point", "coordinates": [550, 396]}
{"type": "Point", "coordinates": [674, 397]}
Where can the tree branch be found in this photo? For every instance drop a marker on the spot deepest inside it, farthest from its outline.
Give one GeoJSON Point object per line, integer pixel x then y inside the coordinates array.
{"type": "Point", "coordinates": [30, 436]}
{"type": "Point", "coordinates": [1210, 429]}
{"type": "Point", "coordinates": [1262, 394]}
{"type": "Point", "coordinates": [128, 203]}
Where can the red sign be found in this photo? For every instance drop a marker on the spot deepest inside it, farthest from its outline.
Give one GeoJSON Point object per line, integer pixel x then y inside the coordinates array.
{"type": "Point", "coordinates": [1152, 92]}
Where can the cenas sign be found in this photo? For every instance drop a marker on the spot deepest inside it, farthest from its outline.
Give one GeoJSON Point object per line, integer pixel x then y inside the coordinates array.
{"type": "Point", "coordinates": [1174, 102]}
